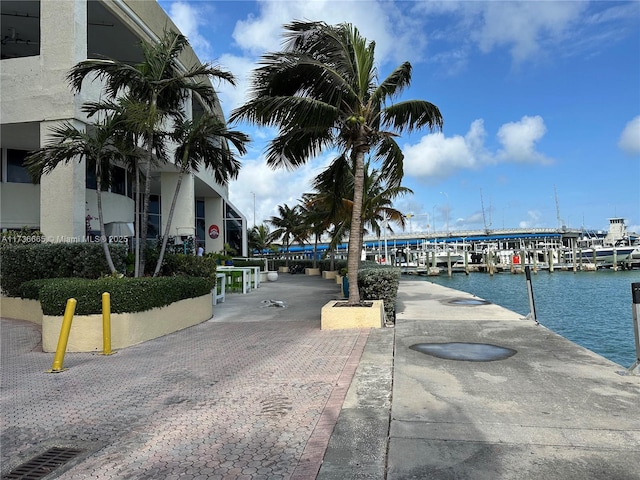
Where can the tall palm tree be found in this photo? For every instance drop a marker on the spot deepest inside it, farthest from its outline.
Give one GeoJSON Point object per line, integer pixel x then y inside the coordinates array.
{"type": "Point", "coordinates": [321, 92]}
{"type": "Point", "coordinates": [161, 86]}
{"type": "Point", "coordinates": [203, 142]}
{"type": "Point", "coordinates": [287, 227]}
{"type": "Point", "coordinates": [98, 145]}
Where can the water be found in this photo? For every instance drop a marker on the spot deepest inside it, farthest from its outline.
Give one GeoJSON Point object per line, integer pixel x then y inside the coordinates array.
{"type": "Point", "coordinates": [592, 309]}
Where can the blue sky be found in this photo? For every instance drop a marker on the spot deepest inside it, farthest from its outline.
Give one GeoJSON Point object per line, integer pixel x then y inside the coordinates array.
{"type": "Point", "coordinates": [541, 104]}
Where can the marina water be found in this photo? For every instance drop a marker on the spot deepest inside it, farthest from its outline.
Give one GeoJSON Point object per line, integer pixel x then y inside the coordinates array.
{"type": "Point", "coordinates": [592, 309]}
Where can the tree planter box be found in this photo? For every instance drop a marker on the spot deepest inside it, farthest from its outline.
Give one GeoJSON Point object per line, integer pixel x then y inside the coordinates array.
{"type": "Point", "coordinates": [312, 271]}
{"type": "Point", "coordinates": [21, 309]}
{"type": "Point", "coordinates": [329, 274]}
{"type": "Point", "coordinates": [126, 328]}
{"type": "Point", "coordinates": [283, 269]}
{"type": "Point", "coordinates": [334, 317]}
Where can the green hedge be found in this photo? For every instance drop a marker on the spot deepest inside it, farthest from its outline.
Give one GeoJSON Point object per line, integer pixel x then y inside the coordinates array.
{"type": "Point", "coordinates": [379, 282]}
{"type": "Point", "coordinates": [127, 294]}
{"type": "Point", "coordinates": [24, 262]}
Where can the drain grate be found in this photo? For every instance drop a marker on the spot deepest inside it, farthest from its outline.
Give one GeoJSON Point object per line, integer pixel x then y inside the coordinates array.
{"type": "Point", "coordinates": [42, 465]}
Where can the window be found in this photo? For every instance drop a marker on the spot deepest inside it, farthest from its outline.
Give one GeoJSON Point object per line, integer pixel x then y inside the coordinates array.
{"type": "Point", "coordinates": [119, 181]}
{"type": "Point", "coordinates": [200, 224]}
{"type": "Point", "coordinates": [16, 172]}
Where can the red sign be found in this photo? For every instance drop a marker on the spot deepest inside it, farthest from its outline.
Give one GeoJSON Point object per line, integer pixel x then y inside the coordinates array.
{"type": "Point", "coordinates": [214, 231]}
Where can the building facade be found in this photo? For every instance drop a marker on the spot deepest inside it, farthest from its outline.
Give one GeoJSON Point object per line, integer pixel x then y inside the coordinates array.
{"type": "Point", "coordinates": [41, 42]}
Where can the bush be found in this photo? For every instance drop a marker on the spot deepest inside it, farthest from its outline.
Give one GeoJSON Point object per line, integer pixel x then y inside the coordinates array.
{"type": "Point", "coordinates": [187, 265]}
{"type": "Point", "coordinates": [378, 282]}
{"type": "Point", "coordinates": [128, 295]}
{"type": "Point", "coordinates": [24, 262]}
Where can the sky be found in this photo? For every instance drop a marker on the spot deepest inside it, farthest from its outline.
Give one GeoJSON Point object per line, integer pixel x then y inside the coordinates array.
{"type": "Point", "coordinates": [540, 100]}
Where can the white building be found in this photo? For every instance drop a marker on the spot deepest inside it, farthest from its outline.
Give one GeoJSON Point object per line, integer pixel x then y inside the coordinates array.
{"type": "Point", "coordinates": [41, 42]}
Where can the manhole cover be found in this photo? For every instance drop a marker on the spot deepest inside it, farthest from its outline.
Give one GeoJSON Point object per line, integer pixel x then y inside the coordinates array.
{"type": "Point", "coordinates": [468, 301]}
{"type": "Point", "coordinates": [471, 352]}
{"type": "Point", "coordinates": [42, 465]}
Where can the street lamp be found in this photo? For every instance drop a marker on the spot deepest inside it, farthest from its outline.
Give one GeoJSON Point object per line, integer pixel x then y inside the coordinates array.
{"type": "Point", "coordinates": [447, 211]}
{"type": "Point", "coordinates": [254, 208]}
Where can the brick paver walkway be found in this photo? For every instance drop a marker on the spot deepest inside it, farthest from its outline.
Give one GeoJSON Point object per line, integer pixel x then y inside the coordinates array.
{"type": "Point", "coordinates": [229, 399]}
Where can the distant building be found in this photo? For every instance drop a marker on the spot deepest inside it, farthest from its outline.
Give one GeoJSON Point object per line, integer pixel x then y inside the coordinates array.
{"type": "Point", "coordinates": [41, 41]}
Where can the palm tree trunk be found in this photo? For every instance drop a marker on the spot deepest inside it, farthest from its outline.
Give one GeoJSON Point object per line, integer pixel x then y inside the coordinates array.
{"type": "Point", "coordinates": [145, 210]}
{"type": "Point", "coordinates": [137, 220]}
{"type": "Point", "coordinates": [103, 237]}
{"type": "Point", "coordinates": [355, 239]}
{"type": "Point", "coordinates": [167, 229]}
{"type": "Point", "coordinates": [147, 182]}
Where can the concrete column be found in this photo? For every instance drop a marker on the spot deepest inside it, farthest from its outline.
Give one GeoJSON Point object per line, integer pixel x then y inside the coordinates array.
{"type": "Point", "coordinates": [184, 215]}
{"type": "Point", "coordinates": [62, 197]}
{"type": "Point", "coordinates": [63, 30]}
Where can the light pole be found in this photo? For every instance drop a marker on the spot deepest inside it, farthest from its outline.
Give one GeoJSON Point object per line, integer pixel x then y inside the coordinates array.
{"type": "Point", "coordinates": [254, 208]}
{"type": "Point", "coordinates": [447, 211]}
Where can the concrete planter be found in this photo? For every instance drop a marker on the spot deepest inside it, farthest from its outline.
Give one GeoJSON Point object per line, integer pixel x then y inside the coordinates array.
{"type": "Point", "coordinates": [312, 271]}
{"type": "Point", "coordinates": [126, 328]}
{"type": "Point", "coordinates": [21, 309]}
{"type": "Point", "coordinates": [329, 274]}
{"type": "Point", "coordinates": [272, 276]}
{"type": "Point", "coordinates": [338, 278]}
{"type": "Point", "coordinates": [333, 316]}
{"type": "Point", "coordinates": [283, 269]}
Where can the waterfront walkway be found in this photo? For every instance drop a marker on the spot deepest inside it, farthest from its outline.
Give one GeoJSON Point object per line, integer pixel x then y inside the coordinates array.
{"type": "Point", "coordinates": [260, 392]}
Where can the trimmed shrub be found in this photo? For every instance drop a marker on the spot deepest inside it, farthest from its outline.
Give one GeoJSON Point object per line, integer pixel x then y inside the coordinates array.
{"type": "Point", "coordinates": [24, 262]}
{"type": "Point", "coordinates": [379, 282]}
{"type": "Point", "coordinates": [128, 295]}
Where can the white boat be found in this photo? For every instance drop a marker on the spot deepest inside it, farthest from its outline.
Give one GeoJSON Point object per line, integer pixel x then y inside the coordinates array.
{"type": "Point", "coordinates": [614, 248]}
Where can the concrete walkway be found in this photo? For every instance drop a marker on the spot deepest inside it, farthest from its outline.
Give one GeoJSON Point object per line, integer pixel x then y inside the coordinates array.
{"type": "Point", "coordinates": [260, 392]}
{"type": "Point", "coordinates": [551, 411]}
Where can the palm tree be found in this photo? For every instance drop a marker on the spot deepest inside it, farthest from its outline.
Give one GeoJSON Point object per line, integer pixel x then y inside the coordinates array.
{"type": "Point", "coordinates": [321, 92]}
{"type": "Point", "coordinates": [203, 142]}
{"type": "Point", "coordinates": [260, 238]}
{"type": "Point", "coordinates": [314, 220]}
{"type": "Point", "coordinates": [98, 145]}
{"type": "Point", "coordinates": [288, 227]}
{"type": "Point", "coordinates": [161, 86]}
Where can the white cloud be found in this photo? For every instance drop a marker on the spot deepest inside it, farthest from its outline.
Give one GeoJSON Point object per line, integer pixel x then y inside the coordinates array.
{"type": "Point", "coordinates": [519, 141]}
{"type": "Point", "coordinates": [629, 141]}
{"type": "Point", "coordinates": [533, 220]}
{"type": "Point", "coordinates": [189, 20]}
{"type": "Point", "coordinates": [271, 187]}
{"type": "Point", "coordinates": [437, 156]}
{"type": "Point", "coordinates": [396, 35]}
{"type": "Point", "coordinates": [526, 27]}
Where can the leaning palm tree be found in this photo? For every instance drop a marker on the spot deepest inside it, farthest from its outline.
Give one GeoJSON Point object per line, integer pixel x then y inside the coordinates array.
{"type": "Point", "coordinates": [203, 142]}
{"type": "Point", "coordinates": [97, 145]}
{"type": "Point", "coordinates": [321, 92]}
{"type": "Point", "coordinates": [161, 85]}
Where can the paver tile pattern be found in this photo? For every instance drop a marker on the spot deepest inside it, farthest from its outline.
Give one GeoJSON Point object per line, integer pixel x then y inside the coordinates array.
{"type": "Point", "coordinates": [228, 399]}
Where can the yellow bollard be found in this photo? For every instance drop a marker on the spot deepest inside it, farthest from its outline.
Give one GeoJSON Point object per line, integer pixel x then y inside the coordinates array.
{"type": "Point", "coordinates": [64, 336]}
{"type": "Point", "coordinates": [106, 324]}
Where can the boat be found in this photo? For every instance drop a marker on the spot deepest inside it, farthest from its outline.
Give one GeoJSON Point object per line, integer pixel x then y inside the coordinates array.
{"type": "Point", "coordinates": [616, 248]}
